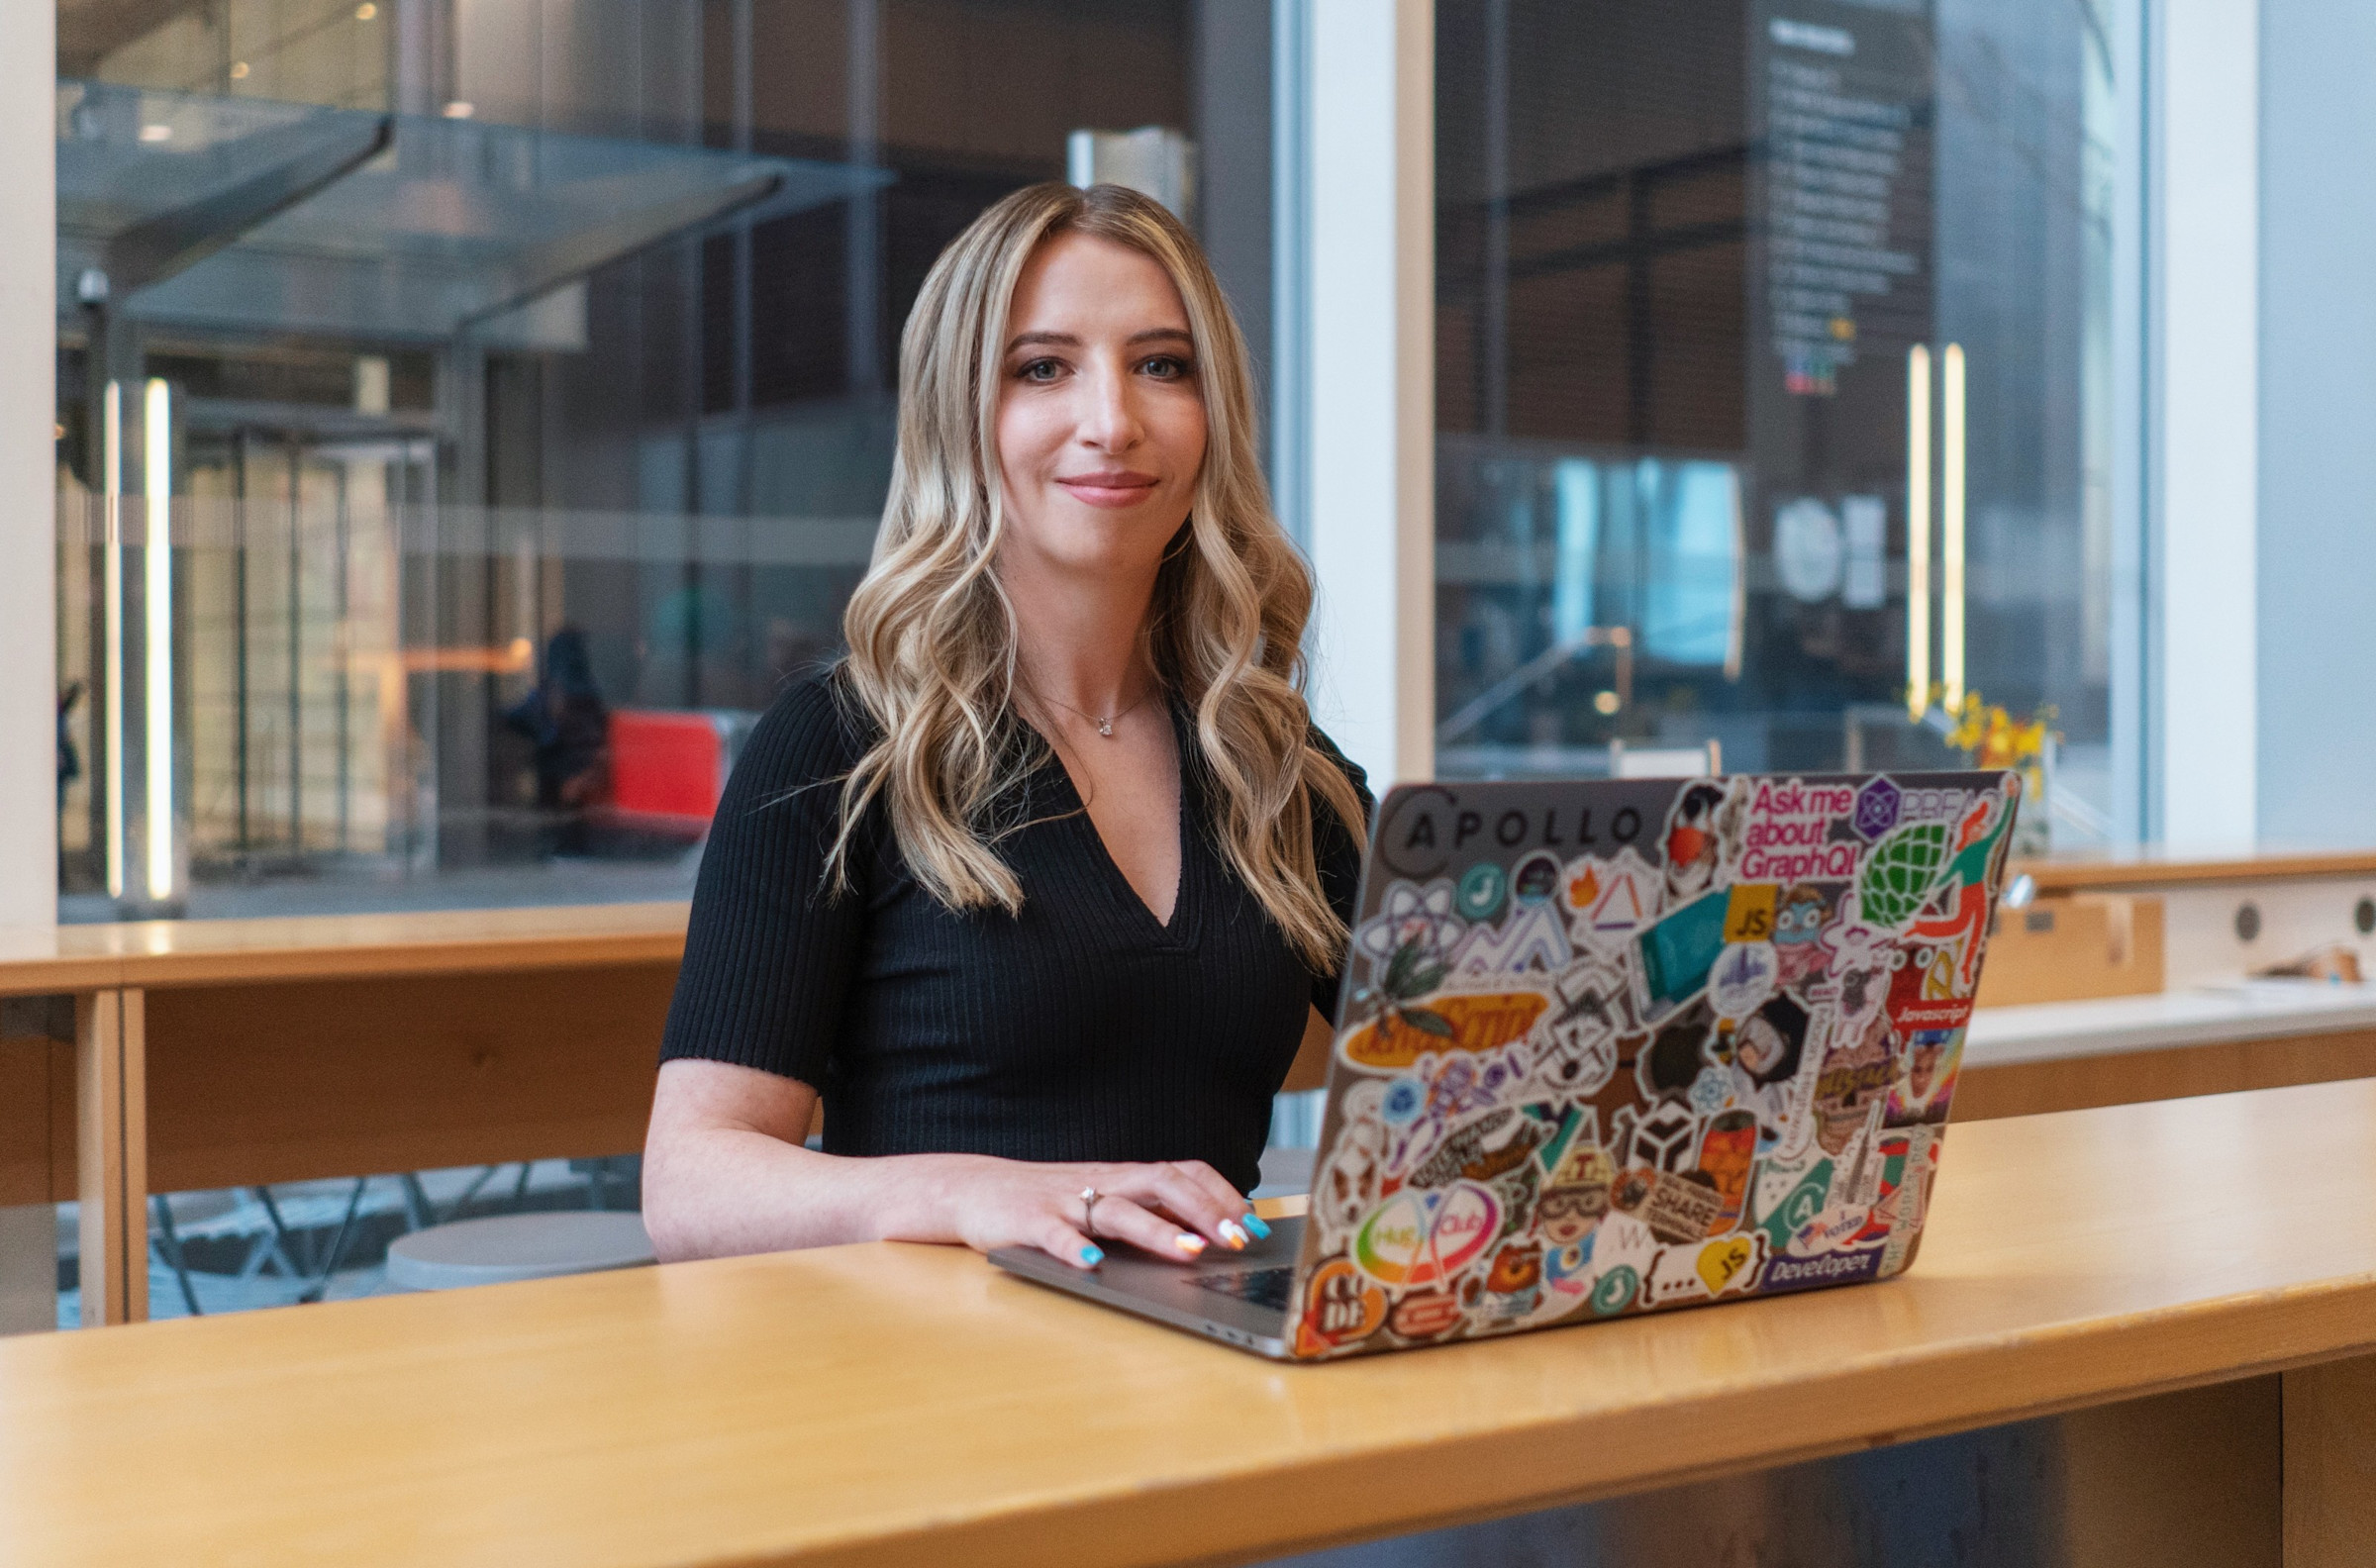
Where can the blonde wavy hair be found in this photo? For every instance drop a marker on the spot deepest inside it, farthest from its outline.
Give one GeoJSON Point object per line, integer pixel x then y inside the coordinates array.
{"type": "Point", "coordinates": [932, 635]}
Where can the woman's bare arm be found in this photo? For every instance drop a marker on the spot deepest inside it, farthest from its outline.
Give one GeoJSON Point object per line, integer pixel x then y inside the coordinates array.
{"type": "Point", "coordinates": [724, 1173]}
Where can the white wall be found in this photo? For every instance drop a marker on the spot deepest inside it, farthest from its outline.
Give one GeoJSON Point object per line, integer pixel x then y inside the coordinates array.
{"type": "Point", "coordinates": [2204, 455]}
{"type": "Point", "coordinates": [1369, 382]}
{"type": "Point", "coordinates": [2317, 548]}
{"type": "Point", "coordinates": [28, 463]}
{"type": "Point", "coordinates": [27, 559]}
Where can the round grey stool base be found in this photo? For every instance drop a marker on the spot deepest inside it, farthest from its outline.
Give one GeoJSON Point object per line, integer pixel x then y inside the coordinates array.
{"type": "Point", "coordinates": [507, 1247]}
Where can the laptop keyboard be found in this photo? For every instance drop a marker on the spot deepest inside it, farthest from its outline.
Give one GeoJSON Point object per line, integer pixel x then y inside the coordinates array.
{"type": "Point", "coordinates": [1265, 1287]}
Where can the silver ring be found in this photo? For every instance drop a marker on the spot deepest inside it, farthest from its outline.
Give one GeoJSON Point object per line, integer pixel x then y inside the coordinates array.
{"type": "Point", "coordinates": [1089, 1198]}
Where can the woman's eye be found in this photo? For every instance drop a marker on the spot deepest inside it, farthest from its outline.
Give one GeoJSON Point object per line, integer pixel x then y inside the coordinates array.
{"type": "Point", "coordinates": [1165, 367]}
{"type": "Point", "coordinates": [1040, 371]}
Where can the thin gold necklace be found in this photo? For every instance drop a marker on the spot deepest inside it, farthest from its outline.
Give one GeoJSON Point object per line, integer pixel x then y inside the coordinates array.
{"type": "Point", "coordinates": [1104, 726]}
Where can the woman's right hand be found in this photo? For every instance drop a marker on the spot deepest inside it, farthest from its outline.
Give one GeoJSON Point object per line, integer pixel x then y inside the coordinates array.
{"type": "Point", "coordinates": [725, 1174]}
{"type": "Point", "coordinates": [1172, 1209]}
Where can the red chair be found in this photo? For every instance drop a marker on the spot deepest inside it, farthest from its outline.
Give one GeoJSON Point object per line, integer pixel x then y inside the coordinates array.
{"type": "Point", "coordinates": [668, 767]}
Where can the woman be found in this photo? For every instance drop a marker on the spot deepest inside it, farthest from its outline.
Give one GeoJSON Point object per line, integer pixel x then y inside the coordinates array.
{"type": "Point", "coordinates": [1040, 887]}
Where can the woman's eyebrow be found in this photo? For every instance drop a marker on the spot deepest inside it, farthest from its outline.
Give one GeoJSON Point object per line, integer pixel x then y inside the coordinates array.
{"type": "Point", "coordinates": [1059, 340]}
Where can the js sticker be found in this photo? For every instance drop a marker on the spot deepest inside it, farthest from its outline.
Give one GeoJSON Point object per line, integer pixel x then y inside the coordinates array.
{"type": "Point", "coordinates": [1749, 916]}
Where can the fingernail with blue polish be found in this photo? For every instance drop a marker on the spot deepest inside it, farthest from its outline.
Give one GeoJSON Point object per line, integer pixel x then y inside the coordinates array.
{"type": "Point", "coordinates": [1253, 1222]}
{"type": "Point", "coordinates": [1092, 1256]}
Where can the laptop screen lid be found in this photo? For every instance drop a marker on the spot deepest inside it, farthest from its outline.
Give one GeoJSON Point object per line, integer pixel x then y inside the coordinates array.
{"type": "Point", "coordinates": [1616, 1046]}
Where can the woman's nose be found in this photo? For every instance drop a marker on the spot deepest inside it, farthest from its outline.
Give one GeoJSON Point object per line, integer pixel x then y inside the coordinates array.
{"type": "Point", "coordinates": [1109, 417]}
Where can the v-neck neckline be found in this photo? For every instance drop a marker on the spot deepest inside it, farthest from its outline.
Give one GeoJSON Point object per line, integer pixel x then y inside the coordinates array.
{"type": "Point", "coordinates": [1180, 930]}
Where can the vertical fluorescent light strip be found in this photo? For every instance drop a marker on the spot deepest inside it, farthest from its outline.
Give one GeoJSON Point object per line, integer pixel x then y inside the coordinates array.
{"type": "Point", "coordinates": [1917, 530]}
{"type": "Point", "coordinates": [111, 552]}
{"type": "Point", "coordinates": [156, 483]}
{"type": "Point", "coordinates": [1951, 617]}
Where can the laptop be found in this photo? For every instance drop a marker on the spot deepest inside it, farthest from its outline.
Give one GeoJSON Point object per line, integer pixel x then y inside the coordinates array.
{"type": "Point", "coordinates": [1618, 1046]}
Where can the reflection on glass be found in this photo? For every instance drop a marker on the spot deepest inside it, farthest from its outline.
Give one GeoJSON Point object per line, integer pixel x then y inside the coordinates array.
{"type": "Point", "coordinates": [1776, 339]}
{"type": "Point", "coordinates": [516, 385]}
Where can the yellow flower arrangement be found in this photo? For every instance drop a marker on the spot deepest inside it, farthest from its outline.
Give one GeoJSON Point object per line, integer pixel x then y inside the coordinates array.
{"type": "Point", "coordinates": [1992, 737]}
{"type": "Point", "coordinates": [1988, 737]}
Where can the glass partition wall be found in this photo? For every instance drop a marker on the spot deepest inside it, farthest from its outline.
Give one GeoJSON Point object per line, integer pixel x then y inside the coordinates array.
{"type": "Point", "coordinates": [511, 385]}
{"type": "Point", "coordinates": [472, 412]}
{"type": "Point", "coordinates": [1773, 382]}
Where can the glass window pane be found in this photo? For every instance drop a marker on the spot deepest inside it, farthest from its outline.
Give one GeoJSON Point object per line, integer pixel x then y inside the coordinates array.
{"type": "Point", "coordinates": [528, 397]}
{"type": "Point", "coordinates": [1774, 380]}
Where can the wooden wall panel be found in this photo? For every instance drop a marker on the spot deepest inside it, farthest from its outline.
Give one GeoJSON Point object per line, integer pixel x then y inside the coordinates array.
{"type": "Point", "coordinates": [23, 1122]}
{"type": "Point", "coordinates": [2330, 1464]}
{"type": "Point", "coordinates": [298, 1080]}
{"type": "Point", "coordinates": [2192, 1477]}
{"type": "Point", "coordinates": [2074, 948]}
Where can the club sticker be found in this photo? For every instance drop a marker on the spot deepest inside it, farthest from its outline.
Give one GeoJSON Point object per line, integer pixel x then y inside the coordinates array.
{"type": "Point", "coordinates": [1417, 1239]}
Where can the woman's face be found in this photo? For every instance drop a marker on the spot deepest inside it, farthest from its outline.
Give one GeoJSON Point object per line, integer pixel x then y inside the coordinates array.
{"type": "Point", "coordinates": [1100, 415]}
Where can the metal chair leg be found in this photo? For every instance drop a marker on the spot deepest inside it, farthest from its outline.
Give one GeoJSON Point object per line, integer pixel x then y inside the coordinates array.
{"type": "Point", "coordinates": [486, 1174]}
{"type": "Point", "coordinates": [281, 1239]}
{"type": "Point", "coordinates": [173, 1254]}
{"type": "Point", "coordinates": [419, 1212]}
{"type": "Point", "coordinates": [337, 1244]}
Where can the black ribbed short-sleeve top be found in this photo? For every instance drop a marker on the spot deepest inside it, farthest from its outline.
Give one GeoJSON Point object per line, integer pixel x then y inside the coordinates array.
{"type": "Point", "coordinates": [1078, 1029]}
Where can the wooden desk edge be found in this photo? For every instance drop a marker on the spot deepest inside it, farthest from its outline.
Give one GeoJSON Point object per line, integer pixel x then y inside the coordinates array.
{"type": "Point", "coordinates": [417, 942]}
{"type": "Point", "coordinates": [452, 956]}
{"type": "Point", "coordinates": [58, 976]}
{"type": "Point", "coordinates": [2121, 876]}
{"type": "Point", "coordinates": [1275, 1507]}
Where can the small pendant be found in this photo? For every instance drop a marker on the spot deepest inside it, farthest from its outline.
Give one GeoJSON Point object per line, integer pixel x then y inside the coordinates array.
{"type": "Point", "coordinates": [1105, 727]}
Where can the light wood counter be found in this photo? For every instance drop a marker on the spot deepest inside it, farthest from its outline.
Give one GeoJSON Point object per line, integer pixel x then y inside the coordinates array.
{"type": "Point", "coordinates": [152, 954]}
{"type": "Point", "coordinates": [892, 1403]}
{"type": "Point", "coordinates": [220, 1053]}
{"type": "Point", "coordinates": [2249, 1010]}
{"type": "Point", "coordinates": [38, 961]}
{"type": "Point", "coordinates": [159, 953]}
{"type": "Point", "coordinates": [2155, 868]}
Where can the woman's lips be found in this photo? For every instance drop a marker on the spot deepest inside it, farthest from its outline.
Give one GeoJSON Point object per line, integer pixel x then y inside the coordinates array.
{"type": "Point", "coordinates": [1109, 489]}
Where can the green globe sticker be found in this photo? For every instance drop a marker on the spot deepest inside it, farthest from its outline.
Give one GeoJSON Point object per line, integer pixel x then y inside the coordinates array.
{"type": "Point", "coordinates": [1481, 888]}
{"type": "Point", "coordinates": [1616, 1291]}
{"type": "Point", "coordinates": [1901, 872]}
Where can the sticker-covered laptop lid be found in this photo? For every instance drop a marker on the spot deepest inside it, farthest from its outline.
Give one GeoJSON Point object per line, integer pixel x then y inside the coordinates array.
{"type": "Point", "coordinates": [1614, 1048]}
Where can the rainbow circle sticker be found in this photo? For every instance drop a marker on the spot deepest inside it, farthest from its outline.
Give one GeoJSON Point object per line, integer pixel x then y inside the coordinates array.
{"type": "Point", "coordinates": [1417, 1239]}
